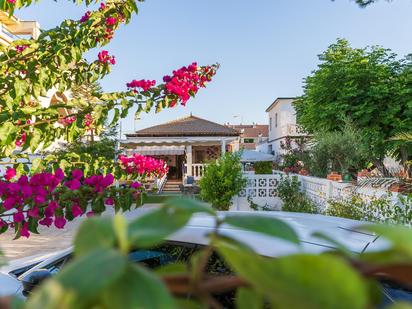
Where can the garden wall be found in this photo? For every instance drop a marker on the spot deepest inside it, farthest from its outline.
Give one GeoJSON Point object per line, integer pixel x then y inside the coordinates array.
{"type": "Point", "coordinates": [262, 191]}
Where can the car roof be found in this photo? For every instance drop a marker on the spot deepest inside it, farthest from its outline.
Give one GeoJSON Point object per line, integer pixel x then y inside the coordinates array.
{"type": "Point", "coordinates": [342, 230]}
{"type": "Point", "coordinates": [200, 226]}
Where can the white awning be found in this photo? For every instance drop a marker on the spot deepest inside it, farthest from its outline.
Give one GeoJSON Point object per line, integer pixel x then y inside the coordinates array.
{"type": "Point", "coordinates": [157, 150]}
{"type": "Point", "coordinates": [255, 156]}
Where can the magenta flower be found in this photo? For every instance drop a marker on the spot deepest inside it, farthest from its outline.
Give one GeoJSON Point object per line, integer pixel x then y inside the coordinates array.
{"type": "Point", "coordinates": [85, 17]}
{"type": "Point", "coordinates": [77, 174]}
{"type": "Point", "coordinates": [109, 201]}
{"type": "Point", "coordinates": [46, 221]}
{"type": "Point", "coordinates": [25, 230]}
{"type": "Point", "coordinates": [10, 173]}
{"type": "Point", "coordinates": [76, 210]}
{"type": "Point", "coordinates": [59, 222]}
{"type": "Point", "coordinates": [136, 185]}
{"type": "Point", "coordinates": [34, 212]}
{"type": "Point", "coordinates": [9, 203]}
{"type": "Point", "coordinates": [104, 57]}
{"type": "Point", "coordinates": [59, 174]}
{"type": "Point", "coordinates": [73, 184]}
{"type": "Point", "coordinates": [90, 214]}
{"type": "Point", "coordinates": [110, 21]}
{"type": "Point", "coordinates": [18, 216]}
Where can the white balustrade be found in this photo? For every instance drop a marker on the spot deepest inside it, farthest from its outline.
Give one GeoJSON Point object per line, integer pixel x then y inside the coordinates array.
{"type": "Point", "coordinates": [198, 170]}
{"type": "Point", "coordinates": [262, 190]}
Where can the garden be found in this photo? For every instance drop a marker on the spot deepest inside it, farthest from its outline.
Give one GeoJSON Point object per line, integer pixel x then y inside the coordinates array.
{"type": "Point", "coordinates": [84, 180]}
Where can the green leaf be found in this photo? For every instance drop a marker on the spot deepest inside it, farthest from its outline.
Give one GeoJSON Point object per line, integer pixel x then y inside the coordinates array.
{"type": "Point", "coordinates": [138, 288]}
{"type": "Point", "coordinates": [248, 299]}
{"type": "Point", "coordinates": [20, 87]}
{"type": "Point", "coordinates": [120, 229]}
{"type": "Point", "coordinates": [94, 233]}
{"type": "Point", "coordinates": [296, 281]}
{"type": "Point", "coordinates": [151, 229]}
{"type": "Point", "coordinates": [35, 139]}
{"type": "Point", "coordinates": [89, 275]}
{"type": "Point", "coordinates": [264, 225]}
{"type": "Point", "coordinates": [6, 129]}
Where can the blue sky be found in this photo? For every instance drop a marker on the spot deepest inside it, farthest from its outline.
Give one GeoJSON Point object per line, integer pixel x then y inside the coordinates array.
{"type": "Point", "coordinates": [265, 47]}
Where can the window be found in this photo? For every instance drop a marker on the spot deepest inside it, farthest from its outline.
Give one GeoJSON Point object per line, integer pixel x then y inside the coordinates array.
{"type": "Point", "coordinates": [276, 120]}
{"type": "Point", "coordinates": [270, 123]}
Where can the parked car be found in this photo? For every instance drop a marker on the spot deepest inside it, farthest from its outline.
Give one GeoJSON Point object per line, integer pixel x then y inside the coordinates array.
{"type": "Point", "coordinates": [181, 245]}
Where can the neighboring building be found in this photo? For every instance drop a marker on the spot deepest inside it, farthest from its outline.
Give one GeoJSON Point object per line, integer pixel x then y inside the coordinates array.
{"type": "Point", "coordinates": [249, 135]}
{"type": "Point", "coordinates": [185, 144]}
{"type": "Point", "coordinates": [12, 27]}
{"type": "Point", "coordinates": [282, 124]}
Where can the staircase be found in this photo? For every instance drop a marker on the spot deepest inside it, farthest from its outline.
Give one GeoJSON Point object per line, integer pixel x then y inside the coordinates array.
{"type": "Point", "coordinates": [172, 186]}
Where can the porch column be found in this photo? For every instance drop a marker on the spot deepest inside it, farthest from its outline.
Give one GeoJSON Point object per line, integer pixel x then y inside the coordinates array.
{"type": "Point", "coordinates": [223, 145]}
{"type": "Point", "coordinates": [189, 159]}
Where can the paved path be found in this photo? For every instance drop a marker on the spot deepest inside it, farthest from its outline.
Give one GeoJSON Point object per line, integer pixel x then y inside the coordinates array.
{"type": "Point", "coordinates": [49, 240]}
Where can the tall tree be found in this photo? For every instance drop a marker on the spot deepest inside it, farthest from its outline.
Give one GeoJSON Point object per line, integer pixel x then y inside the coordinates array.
{"type": "Point", "coordinates": [370, 86]}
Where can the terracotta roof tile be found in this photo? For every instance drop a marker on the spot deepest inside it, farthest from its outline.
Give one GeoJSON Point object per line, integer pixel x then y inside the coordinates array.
{"type": "Point", "coordinates": [188, 126]}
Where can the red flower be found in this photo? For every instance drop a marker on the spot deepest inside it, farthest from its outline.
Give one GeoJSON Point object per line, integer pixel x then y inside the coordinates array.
{"type": "Point", "coordinates": [110, 21]}
{"type": "Point", "coordinates": [10, 173]}
{"type": "Point", "coordinates": [104, 57]}
{"type": "Point", "coordinates": [143, 84]}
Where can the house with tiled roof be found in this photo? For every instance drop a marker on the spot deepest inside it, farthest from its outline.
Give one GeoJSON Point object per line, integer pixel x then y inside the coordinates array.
{"type": "Point", "coordinates": [249, 135]}
{"type": "Point", "coordinates": [186, 144]}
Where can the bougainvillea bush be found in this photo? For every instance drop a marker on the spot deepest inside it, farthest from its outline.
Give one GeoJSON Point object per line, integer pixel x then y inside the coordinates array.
{"type": "Point", "coordinates": [100, 275]}
{"type": "Point", "coordinates": [51, 190]}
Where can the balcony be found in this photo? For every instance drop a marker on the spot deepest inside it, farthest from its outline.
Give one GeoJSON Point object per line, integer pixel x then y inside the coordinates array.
{"type": "Point", "coordinates": [292, 130]}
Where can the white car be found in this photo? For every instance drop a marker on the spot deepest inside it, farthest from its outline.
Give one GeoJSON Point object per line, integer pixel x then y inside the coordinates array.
{"type": "Point", "coordinates": [194, 235]}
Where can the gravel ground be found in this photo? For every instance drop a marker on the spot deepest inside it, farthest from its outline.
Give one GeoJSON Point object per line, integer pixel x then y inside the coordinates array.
{"type": "Point", "coordinates": [49, 240]}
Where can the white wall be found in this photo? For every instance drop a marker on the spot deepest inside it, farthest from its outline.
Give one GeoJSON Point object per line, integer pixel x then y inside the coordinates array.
{"type": "Point", "coordinates": [286, 115]}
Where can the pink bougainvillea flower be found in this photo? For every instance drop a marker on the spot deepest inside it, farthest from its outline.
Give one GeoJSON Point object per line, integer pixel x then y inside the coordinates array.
{"type": "Point", "coordinates": [25, 230]}
{"type": "Point", "coordinates": [102, 6]}
{"type": "Point", "coordinates": [39, 199]}
{"type": "Point", "coordinates": [46, 221]}
{"type": "Point", "coordinates": [145, 85]}
{"type": "Point", "coordinates": [76, 210]}
{"type": "Point", "coordinates": [73, 184]}
{"type": "Point", "coordinates": [59, 222]}
{"type": "Point", "coordinates": [77, 174]}
{"type": "Point", "coordinates": [85, 17]}
{"type": "Point", "coordinates": [107, 180]}
{"type": "Point", "coordinates": [9, 203]}
{"type": "Point", "coordinates": [34, 212]}
{"type": "Point", "coordinates": [90, 214]}
{"type": "Point", "coordinates": [21, 48]}
{"type": "Point", "coordinates": [109, 201]}
{"type": "Point", "coordinates": [21, 140]}
{"type": "Point", "coordinates": [110, 21]}
{"type": "Point", "coordinates": [104, 57]}
{"type": "Point", "coordinates": [18, 216]}
{"type": "Point", "coordinates": [10, 173]}
{"type": "Point", "coordinates": [59, 174]}
{"type": "Point", "coordinates": [136, 185]}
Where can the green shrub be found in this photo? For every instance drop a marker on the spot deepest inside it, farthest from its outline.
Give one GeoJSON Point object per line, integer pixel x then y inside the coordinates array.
{"type": "Point", "coordinates": [293, 199]}
{"type": "Point", "coordinates": [342, 151]}
{"type": "Point", "coordinates": [222, 180]}
{"type": "Point", "coordinates": [263, 168]}
{"type": "Point", "coordinates": [350, 208]}
{"type": "Point", "coordinates": [381, 209]}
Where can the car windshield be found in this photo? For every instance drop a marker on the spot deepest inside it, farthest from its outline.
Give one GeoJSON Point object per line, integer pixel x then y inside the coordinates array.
{"type": "Point", "coordinates": [395, 293]}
